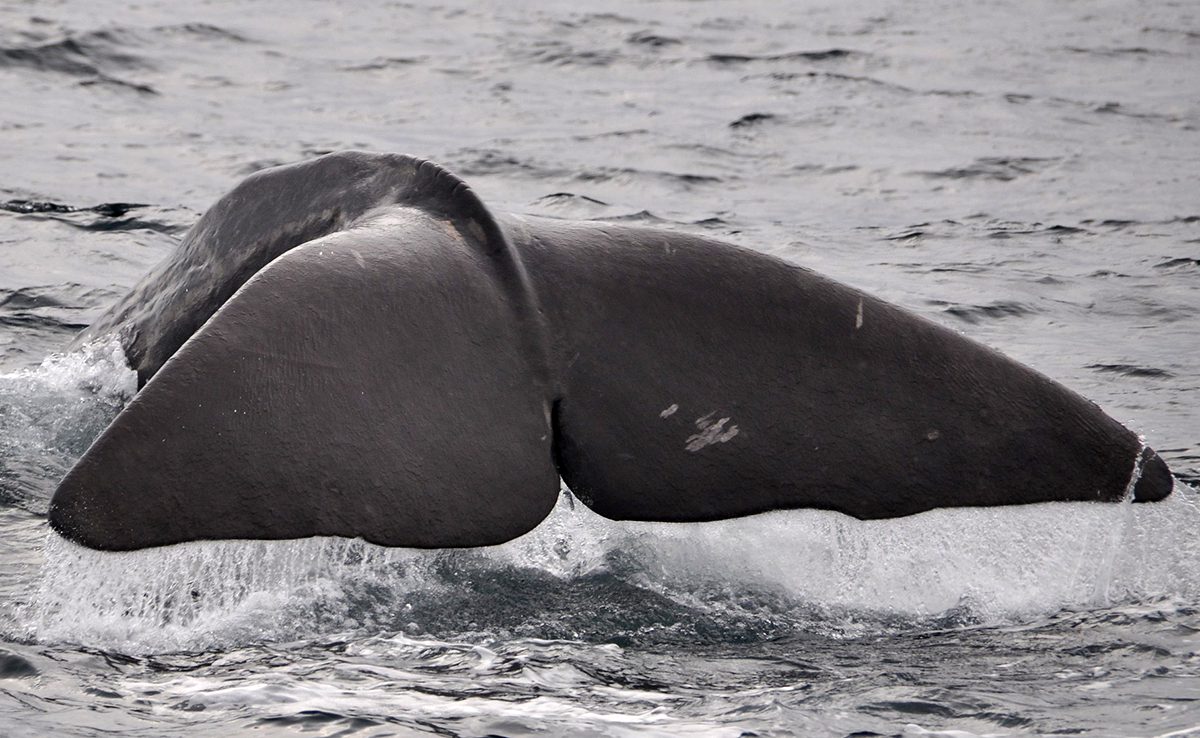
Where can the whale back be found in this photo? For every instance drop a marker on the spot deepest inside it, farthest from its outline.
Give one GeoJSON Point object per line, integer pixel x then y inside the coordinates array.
{"type": "Point", "coordinates": [355, 346]}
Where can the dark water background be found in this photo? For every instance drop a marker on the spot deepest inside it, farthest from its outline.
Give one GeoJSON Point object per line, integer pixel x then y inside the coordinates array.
{"type": "Point", "coordinates": [1025, 172]}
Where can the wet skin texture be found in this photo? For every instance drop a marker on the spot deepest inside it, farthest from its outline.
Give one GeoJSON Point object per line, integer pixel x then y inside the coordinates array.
{"type": "Point", "coordinates": [357, 346]}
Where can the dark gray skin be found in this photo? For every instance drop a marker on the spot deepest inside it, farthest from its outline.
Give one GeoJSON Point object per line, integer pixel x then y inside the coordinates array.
{"type": "Point", "coordinates": [356, 346]}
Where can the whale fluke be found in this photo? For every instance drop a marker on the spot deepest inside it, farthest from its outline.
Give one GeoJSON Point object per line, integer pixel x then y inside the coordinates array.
{"type": "Point", "coordinates": [700, 381]}
{"type": "Point", "coordinates": [356, 346]}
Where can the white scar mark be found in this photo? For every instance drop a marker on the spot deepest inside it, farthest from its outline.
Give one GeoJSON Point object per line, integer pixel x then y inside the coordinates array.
{"type": "Point", "coordinates": [476, 231]}
{"type": "Point", "coordinates": [1137, 472]}
{"type": "Point", "coordinates": [359, 258]}
{"type": "Point", "coordinates": [710, 432]}
{"type": "Point", "coordinates": [450, 230]}
{"type": "Point", "coordinates": [669, 411]}
{"type": "Point", "coordinates": [858, 318]}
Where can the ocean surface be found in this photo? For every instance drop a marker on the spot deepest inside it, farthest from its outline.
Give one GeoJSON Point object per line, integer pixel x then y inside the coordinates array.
{"type": "Point", "coordinates": [1024, 172]}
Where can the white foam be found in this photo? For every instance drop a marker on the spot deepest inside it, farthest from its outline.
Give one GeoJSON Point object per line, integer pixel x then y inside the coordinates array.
{"type": "Point", "coordinates": [404, 693]}
{"type": "Point", "coordinates": [50, 414]}
{"type": "Point", "coordinates": [98, 369]}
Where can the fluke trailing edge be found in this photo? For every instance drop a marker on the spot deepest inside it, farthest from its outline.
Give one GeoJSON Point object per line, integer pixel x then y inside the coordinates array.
{"type": "Point", "coordinates": [356, 346]}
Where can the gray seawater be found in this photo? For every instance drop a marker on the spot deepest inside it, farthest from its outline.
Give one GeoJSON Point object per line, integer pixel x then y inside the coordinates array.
{"type": "Point", "coordinates": [1025, 172]}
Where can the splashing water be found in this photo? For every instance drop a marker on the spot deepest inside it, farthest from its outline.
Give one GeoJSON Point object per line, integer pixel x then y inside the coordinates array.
{"type": "Point", "coordinates": [49, 416]}
{"type": "Point", "coordinates": [767, 574]}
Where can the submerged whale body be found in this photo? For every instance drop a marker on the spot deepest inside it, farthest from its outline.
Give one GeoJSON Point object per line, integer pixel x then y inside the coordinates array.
{"type": "Point", "coordinates": [356, 346]}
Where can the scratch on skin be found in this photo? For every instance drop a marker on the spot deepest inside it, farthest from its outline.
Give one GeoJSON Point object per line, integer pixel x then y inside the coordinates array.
{"type": "Point", "coordinates": [858, 318]}
{"type": "Point", "coordinates": [710, 432]}
{"type": "Point", "coordinates": [669, 411]}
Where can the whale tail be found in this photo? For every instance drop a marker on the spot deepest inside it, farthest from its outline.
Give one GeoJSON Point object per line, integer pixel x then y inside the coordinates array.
{"type": "Point", "coordinates": [355, 346]}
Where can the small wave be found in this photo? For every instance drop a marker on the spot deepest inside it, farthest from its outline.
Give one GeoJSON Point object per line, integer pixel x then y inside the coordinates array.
{"type": "Point", "coordinates": [205, 31]}
{"type": "Point", "coordinates": [571, 205]}
{"type": "Point", "coordinates": [99, 58]}
{"type": "Point", "coordinates": [1119, 51]}
{"type": "Point", "coordinates": [45, 317]}
{"type": "Point", "coordinates": [1177, 263]}
{"type": "Point", "coordinates": [1116, 108]}
{"type": "Point", "coordinates": [69, 296]}
{"type": "Point", "coordinates": [1186, 33]}
{"type": "Point", "coordinates": [1114, 223]}
{"type": "Point", "coordinates": [31, 297]}
{"type": "Point", "coordinates": [641, 216]}
{"type": "Point", "coordinates": [127, 224]}
{"type": "Point", "coordinates": [1132, 370]}
{"type": "Point", "coordinates": [653, 40]}
{"type": "Point", "coordinates": [1036, 229]}
{"type": "Point", "coordinates": [684, 180]}
{"type": "Point", "coordinates": [824, 168]}
{"type": "Point", "coordinates": [96, 56]}
{"type": "Point", "coordinates": [1110, 107]}
{"type": "Point", "coordinates": [752, 119]}
{"type": "Point", "coordinates": [1062, 230]}
{"type": "Point", "coordinates": [1142, 306]}
{"type": "Point", "coordinates": [995, 311]}
{"type": "Point", "coordinates": [813, 56]}
{"type": "Point", "coordinates": [391, 62]}
{"type": "Point", "coordinates": [88, 54]}
{"type": "Point", "coordinates": [30, 207]}
{"type": "Point", "coordinates": [119, 83]}
{"type": "Point", "coordinates": [473, 162]}
{"type": "Point", "coordinates": [15, 666]}
{"type": "Point", "coordinates": [306, 721]}
{"type": "Point", "coordinates": [104, 217]}
{"type": "Point", "coordinates": [45, 323]}
{"type": "Point", "coordinates": [562, 54]}
{"type": "Point", "coordinates": [839, 79]}
{"type": "Point", "coordinates": [912, 235]}
{"type": "Point", "coordinates": [557, 197]}
{"type": "Point", "coordinates": [1000, 169]}
{"type": "Point", "coordinates": [606, 19]}
{"type": "Point", "coordinates": [630, 133]}
{"type": "Point", "coordinates": [1177, 458]}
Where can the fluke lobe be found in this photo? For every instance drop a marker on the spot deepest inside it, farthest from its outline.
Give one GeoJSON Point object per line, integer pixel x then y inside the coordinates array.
{"type": "Point", "coordinates": [356, 346]}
